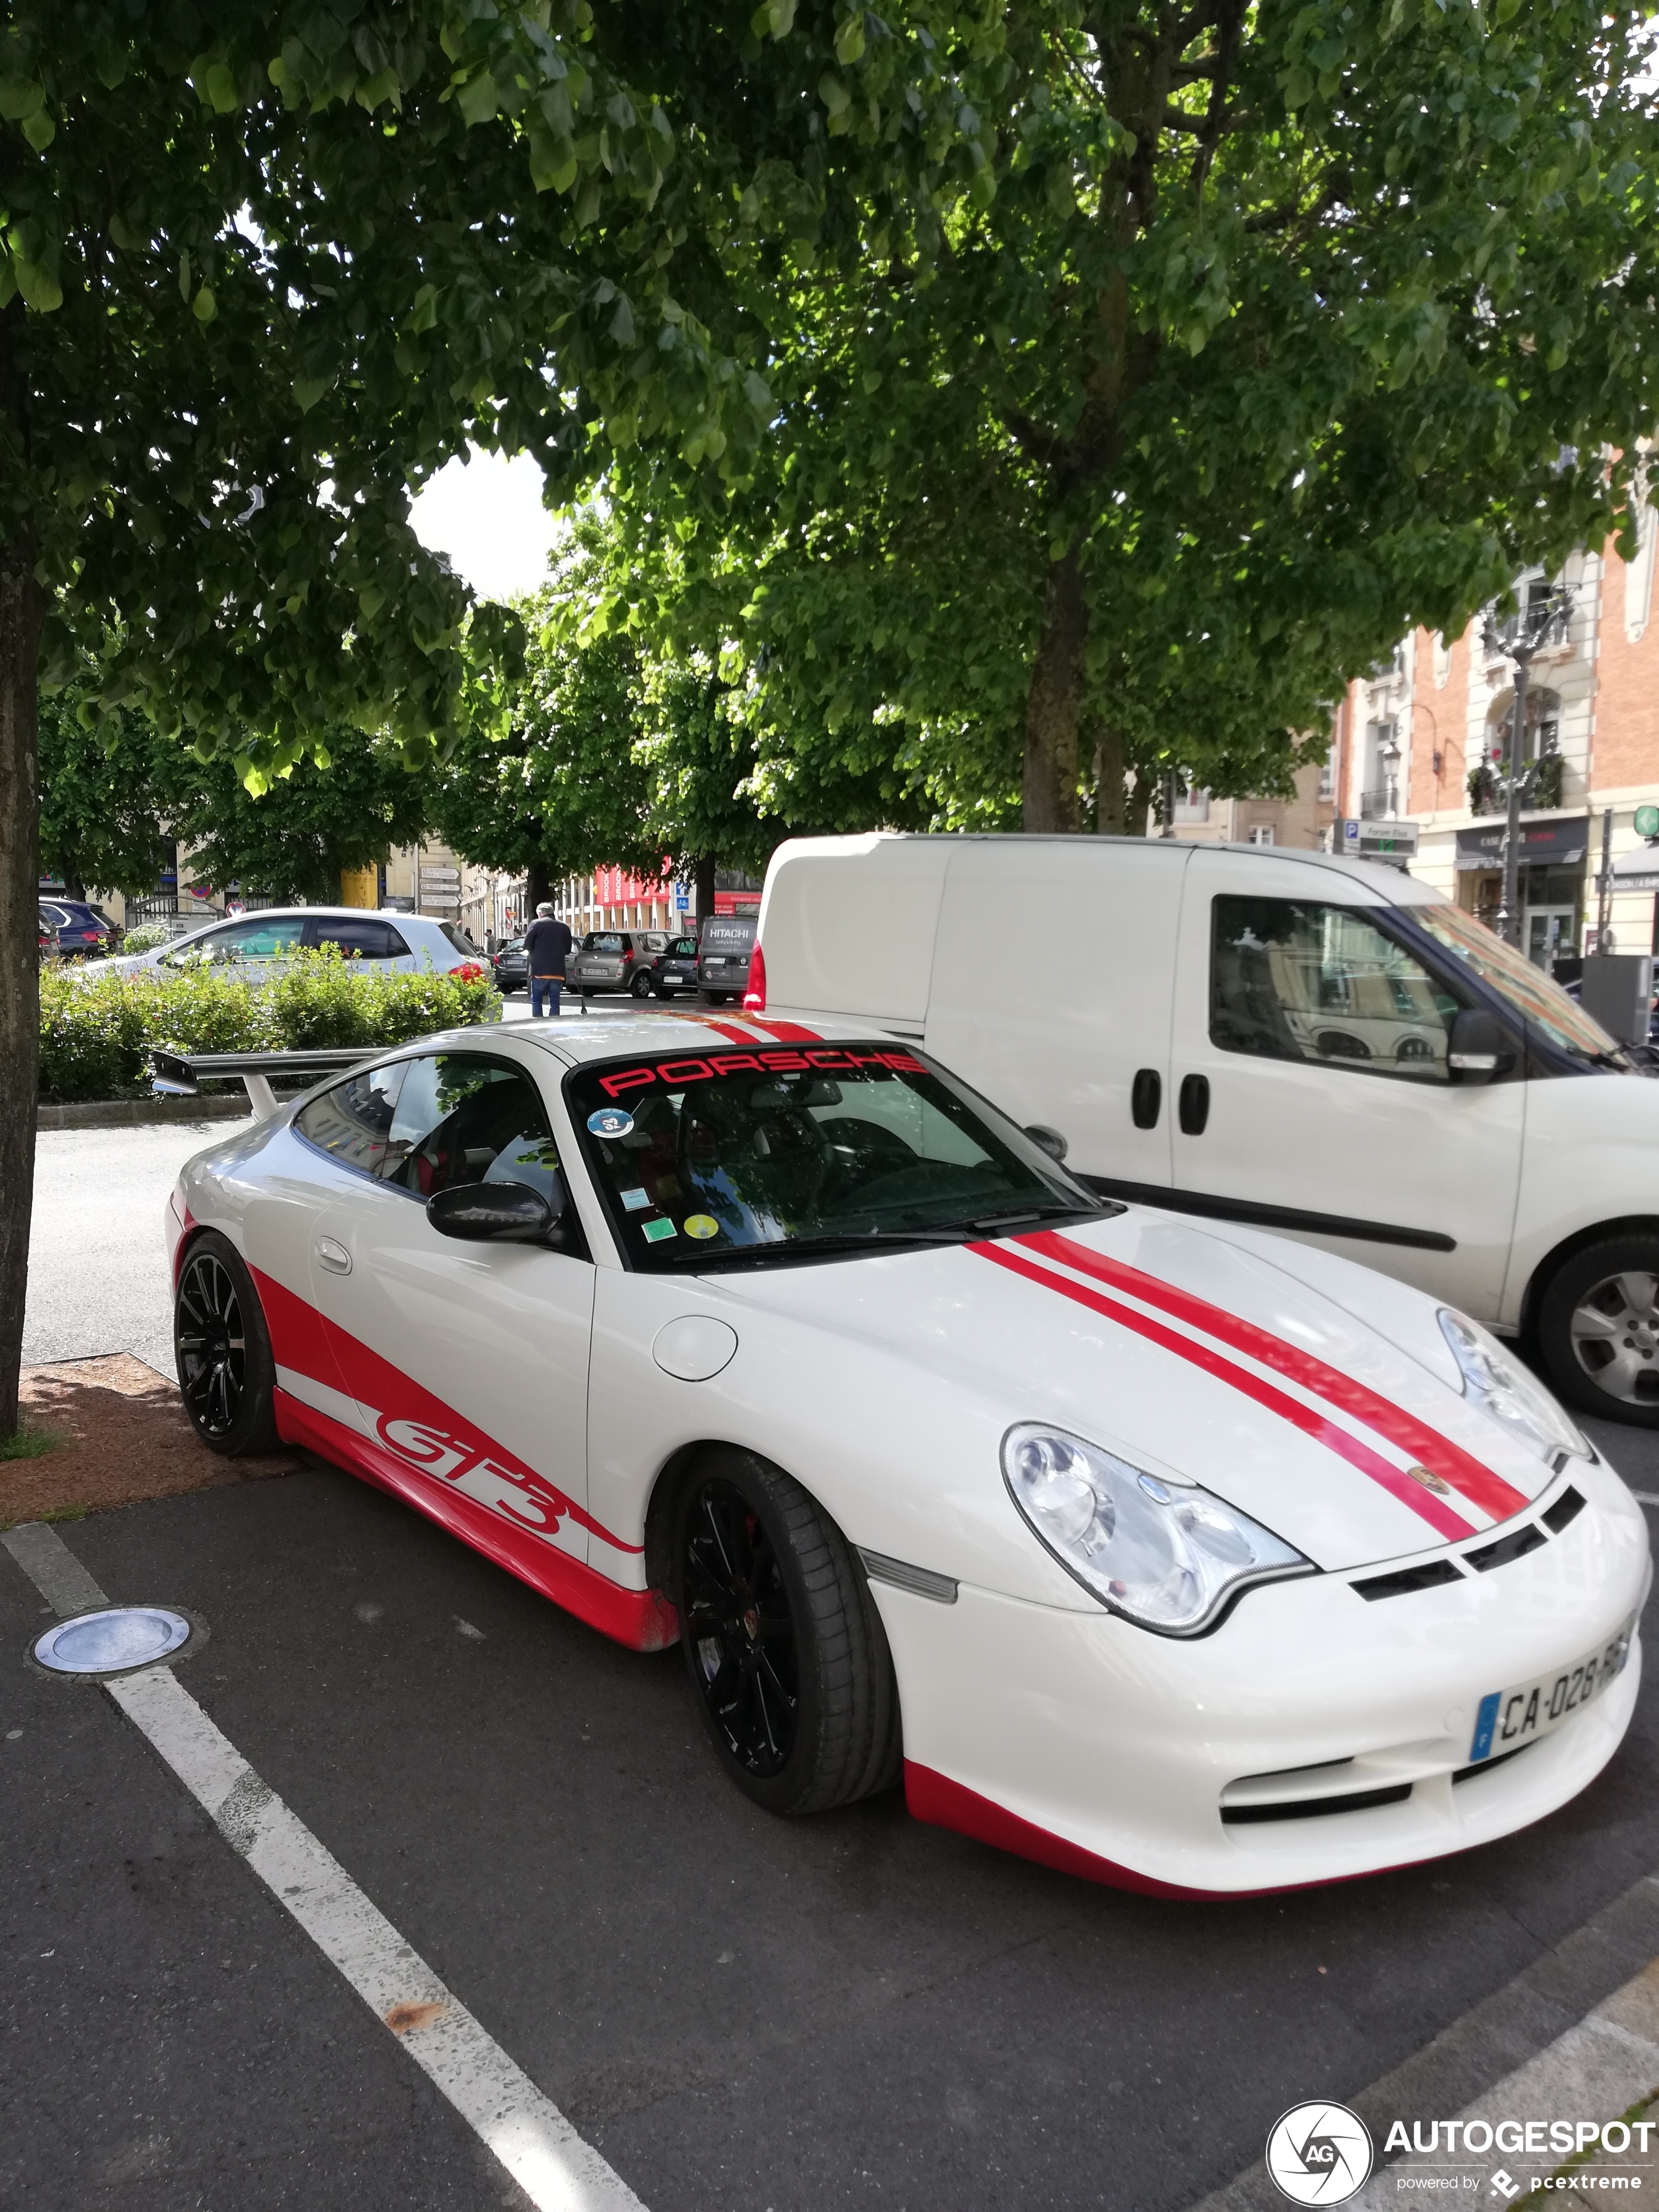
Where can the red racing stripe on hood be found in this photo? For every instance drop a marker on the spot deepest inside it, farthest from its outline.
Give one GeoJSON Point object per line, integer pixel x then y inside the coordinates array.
{"type": "Point", "coordinates": [1312, 1423]}
{"type": "Point", "coordinates": [1436, 1453]}
{"type": "Point", "coordinates": [785, 1032]}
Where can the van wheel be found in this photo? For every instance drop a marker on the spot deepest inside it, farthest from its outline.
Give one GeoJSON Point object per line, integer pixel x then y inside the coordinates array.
{"type": "Point", "coordinates": [788, 1660]}
{"type": "Point", "coordinates": [1598, 1329]}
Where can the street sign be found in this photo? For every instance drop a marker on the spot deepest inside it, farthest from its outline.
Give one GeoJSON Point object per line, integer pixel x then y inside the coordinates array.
{"type": "Point", "coordinates": [683, 903]}
{"type": "Point", "coordinates": [1394, 842]}
{"type": "Point", "coordinates": [440, 875]}
{"type": "Point", "coordinates": [1647, 822]}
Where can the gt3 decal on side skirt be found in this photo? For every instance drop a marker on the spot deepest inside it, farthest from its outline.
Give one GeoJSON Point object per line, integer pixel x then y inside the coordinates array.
{"type": "Point", "coordinates": [1466, 1474]}
{"type": "Point", "coordinates": [415, 1445]}
{"type": "Point", "coordinates": [642, 1619]}
{"type": "Point", "coordinates": [1394, 1479]}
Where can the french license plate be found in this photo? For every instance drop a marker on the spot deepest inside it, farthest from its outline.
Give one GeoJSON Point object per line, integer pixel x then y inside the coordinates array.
{"type": "Point", "coordinates": [1510, 1719]}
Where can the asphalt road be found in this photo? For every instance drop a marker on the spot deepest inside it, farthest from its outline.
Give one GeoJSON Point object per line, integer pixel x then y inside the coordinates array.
{"type": "Point", "coordinates": [736, 2011]}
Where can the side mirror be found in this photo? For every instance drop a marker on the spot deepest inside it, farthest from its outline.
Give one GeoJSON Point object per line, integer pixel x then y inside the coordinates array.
{"type": "Point", "coordinates": [1480, 1047]}
{"type": "Point", "coordinates": [1048, 1140]}
{"type": "Point", "coordinates": [496, 1213]}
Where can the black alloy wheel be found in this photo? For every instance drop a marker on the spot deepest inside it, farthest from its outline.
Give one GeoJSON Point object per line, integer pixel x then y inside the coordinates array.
{"type": "Point", "coordinates": [222, 1350]}
{"type": "Point", "coordinates": [786, 1654]}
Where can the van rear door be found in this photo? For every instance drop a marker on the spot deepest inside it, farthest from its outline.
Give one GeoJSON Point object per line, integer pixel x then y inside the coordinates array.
{"type": "Point", "coordinates": [1054, 979]}
{"type": "Point", "coordinates": [1312, 1092]}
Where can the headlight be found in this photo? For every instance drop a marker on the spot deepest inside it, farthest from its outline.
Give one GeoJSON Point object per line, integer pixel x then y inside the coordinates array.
{"type": "Point", "coordinates": [1166, 1555]}
{"type": "Point", "coordinates": [1500, 1386]}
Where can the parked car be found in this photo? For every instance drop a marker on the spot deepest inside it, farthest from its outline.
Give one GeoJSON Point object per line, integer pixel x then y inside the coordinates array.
{"type": "Point", "coordinates": [1314, 1045]}
{"type": "Point", "coordinates": [724, 950]}
{"type": "Point", "coordinates": [253, 945]}
{"type": "Point", "coordinates": [1167, 1552]}
{"type": "Point", "coordinates": [674, 969]}
{"type": "Point", "coordinates": [78, 930]}
{"type": "Point", "coordinates": [511, 965]}
{"type": "Point", "coordinates": [612, 960]}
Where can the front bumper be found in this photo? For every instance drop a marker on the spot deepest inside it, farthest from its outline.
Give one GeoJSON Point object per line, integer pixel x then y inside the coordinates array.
{"type": "Point", "coordinates": [1081, 1739]}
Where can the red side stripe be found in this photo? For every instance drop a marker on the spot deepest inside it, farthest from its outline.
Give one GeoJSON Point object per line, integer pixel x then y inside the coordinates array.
{"type": "Point", "coordinates": [785, 1032]}
{"type": "Point", "coordinates": [310, 1344]}
{"type": "Point", "coordinates": [1398, 1484]}
{"type": "Point", "coordinates": [642, 1619]}
{"type": "Point", "coordinates": [1438, 1454]}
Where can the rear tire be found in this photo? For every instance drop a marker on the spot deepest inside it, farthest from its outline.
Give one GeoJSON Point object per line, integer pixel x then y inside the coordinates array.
{"type": "Point", "coordinates": [640, 987]}
{"type": "Point", "coordinates": [788, 1657]}
{"type": "Point", "coordinates": [1598, 1329]}
{"type": "Point", "coordinates": [223, 1350]}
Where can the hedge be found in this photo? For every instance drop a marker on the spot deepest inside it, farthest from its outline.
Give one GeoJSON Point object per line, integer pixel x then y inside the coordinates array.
{"type": "Point", "coordinates": [94, 1032]}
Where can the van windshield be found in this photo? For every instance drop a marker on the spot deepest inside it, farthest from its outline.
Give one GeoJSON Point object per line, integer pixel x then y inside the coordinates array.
{"type": "Point", "coordinates": [1534, 995]}
{"type": "Point", "coordinates": [743, 1156]}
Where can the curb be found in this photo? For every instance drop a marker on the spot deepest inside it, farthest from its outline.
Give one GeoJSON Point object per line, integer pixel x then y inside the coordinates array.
{"type": "Point", "coordinates": [125, 1113]}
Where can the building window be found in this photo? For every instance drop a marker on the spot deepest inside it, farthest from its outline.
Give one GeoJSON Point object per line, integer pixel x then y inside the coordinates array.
{"type": "Point", "coordinates": [1190, 804]}
{"type": "Point", "coordinates": [1328, 774]}
{"type": "Point", "coordinates": [1261, 833]}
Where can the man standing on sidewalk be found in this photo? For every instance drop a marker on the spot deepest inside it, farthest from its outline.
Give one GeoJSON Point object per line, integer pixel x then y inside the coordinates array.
{"type": "Point", "coordinates": [547, 947]}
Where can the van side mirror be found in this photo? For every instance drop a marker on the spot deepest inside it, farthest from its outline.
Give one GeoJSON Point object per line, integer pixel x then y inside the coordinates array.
{"type": "Point", "coordinates": [1048, 1140]}
{"type": "Point", "coordinates": [1480, 1047]}
{"type": "Point", "coordinates": [495, 1213]}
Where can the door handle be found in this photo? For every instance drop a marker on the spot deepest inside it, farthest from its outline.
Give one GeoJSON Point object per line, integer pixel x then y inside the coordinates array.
{"type": "Point", "coordinates": [1147, 1098]}
{"type": "Point", "coordinates": [1194, 1106]}
{"type": "Point", "coordinates": [333, 1256]}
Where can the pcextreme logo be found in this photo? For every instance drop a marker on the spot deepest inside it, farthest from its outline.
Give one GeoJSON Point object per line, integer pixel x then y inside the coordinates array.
{"type": "Point", "coordinates": [1320, 2153]}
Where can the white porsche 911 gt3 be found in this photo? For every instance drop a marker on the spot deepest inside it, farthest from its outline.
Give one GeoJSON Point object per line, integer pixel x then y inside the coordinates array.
{"type": "Point", "coordinates": [1179, 1556]}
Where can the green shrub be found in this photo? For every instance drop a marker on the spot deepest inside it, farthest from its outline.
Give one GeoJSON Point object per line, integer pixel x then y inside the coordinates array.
{"type": "Point", "coordinates": [146, 937]}
{"type": "Point", "coordinates": [94, 1033]}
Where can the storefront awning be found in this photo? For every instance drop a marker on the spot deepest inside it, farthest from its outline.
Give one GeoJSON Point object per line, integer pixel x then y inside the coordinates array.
{"type": "Point", "coordinates": [1543, 844]}
{"type": "Point", "coordinates": [1637, 871]}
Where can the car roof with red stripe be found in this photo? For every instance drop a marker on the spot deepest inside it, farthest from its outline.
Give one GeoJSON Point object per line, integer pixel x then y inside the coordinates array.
{"type": "Point", "coordinates": [616, 1036]}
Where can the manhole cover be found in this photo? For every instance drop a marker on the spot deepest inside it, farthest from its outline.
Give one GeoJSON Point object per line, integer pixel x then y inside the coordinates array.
{"type": "Point", "coordinates": [112, 1642]}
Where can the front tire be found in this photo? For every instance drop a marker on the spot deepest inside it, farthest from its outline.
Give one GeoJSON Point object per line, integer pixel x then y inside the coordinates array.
{"type": "Point", "coordinates": [788, 1660]}
{"type": "Point", "coordinates": [1598, 1329]}
{"type": "Point", "coordinates": [223, 1350]}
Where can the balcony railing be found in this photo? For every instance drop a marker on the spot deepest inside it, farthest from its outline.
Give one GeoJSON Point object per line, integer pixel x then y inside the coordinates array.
{"type": "Point", "coordinates": [1377, 806]}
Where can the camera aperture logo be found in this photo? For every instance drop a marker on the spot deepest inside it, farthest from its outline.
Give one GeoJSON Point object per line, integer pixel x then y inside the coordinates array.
{"type": "Point", "coordinates": [1320, 2153]}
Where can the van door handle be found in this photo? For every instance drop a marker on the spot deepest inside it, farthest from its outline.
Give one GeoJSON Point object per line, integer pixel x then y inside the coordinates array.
{"type": "Point", "coordinates": [1147, 1098]}
{"type": "Point", "coordinates": [1194, 1106]}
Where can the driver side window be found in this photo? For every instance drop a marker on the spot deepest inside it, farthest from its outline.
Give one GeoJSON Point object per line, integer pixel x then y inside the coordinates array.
{"type": "Point", "coordinates": [1295, 980]}
{"type": "Point", "coordinates": [460, 1118]}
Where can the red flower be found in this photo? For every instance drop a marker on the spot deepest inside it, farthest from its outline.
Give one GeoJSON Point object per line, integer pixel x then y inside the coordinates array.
{"type": "Point", "coordinates": [470, 971]}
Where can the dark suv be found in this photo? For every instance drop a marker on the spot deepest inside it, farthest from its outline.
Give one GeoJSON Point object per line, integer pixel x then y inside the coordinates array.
{"type": "Point", "coordinates": [675, 968]}
{"type": "Point", "coordinates": [724, 951]}
{"type": "Point", "coordinates": [614, 960]}
{"type": "Point", "coordinates": [74, 929]}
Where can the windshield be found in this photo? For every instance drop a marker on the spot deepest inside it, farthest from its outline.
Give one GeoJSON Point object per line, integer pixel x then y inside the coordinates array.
{"type": "Point", "coordinates": [1529, 990]}
{"type": "Point", "coordinates": [741, 1155]}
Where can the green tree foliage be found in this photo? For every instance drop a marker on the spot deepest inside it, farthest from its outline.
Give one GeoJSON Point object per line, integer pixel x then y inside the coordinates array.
{"type": "Point", "coordinates": [344, 804]}
{"type": "Point", "coordinates": [1169, 367]}
{"type": "Point", "coordinates": [103, 807]}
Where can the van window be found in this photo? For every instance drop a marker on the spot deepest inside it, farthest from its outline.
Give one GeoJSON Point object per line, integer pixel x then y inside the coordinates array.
{"type": "Point", "coordinates": [1290, 981]}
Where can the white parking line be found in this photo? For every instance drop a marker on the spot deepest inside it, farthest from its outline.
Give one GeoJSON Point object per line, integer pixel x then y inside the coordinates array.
{"type": "Point", "coordinates": [557, 2170]}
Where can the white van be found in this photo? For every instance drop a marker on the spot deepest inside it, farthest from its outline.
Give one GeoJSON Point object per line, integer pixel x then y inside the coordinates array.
{"type": "Point", "coordinates": [1310, 1044]}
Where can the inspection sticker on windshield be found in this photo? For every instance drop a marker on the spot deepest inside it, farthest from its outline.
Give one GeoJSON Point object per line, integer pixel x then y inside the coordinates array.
{"type": "Point", "coordinates": [636, 1200]}
{"type": "Point", "coordinates": [702, 1226]}
{"type": "Point", "coordinates": [657, 1231]}
{"type": "Point", "coordinates": [611, 1121]}
{"type": "Point", "coordinates": [1510, 1719]}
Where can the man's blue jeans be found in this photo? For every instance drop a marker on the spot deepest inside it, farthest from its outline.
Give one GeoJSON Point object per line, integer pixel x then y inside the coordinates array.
{"type": "Point", "coordinates": [551, 985]}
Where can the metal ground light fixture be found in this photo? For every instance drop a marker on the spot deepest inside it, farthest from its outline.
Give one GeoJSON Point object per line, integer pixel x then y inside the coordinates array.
{"type": "Point", "coordinates": [1533, 627]}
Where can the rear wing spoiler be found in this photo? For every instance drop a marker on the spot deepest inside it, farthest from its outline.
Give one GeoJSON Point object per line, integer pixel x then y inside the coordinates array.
{"type": "Point", "coordinates": [179, 1074]}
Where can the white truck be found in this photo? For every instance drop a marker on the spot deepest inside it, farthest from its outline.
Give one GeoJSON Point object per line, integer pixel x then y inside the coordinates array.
{"type": "Point", "coordinates": [1312, 1045]}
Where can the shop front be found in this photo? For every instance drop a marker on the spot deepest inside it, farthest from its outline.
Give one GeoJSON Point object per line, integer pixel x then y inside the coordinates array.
{"type": "Point", "coordinates": [1551, 882]}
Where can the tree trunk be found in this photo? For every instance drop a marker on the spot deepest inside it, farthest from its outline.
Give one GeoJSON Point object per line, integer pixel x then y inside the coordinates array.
{"type": "Point", "coordinates": [538, 891]}
{"type": "Point", "coordinates": [1111, 783]}
{"type": "Point", "coordinates": [702, 876]}
{"type": "Point", "coordinates": [22, 611]}
{"type": "Point", "coordinates": [1053, 705]}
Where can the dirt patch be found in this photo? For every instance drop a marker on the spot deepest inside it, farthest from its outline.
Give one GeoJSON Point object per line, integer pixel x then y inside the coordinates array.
{"type": "Point", "coordinates": [124, 1436]}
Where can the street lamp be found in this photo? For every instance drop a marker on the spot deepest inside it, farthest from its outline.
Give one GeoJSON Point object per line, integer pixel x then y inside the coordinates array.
{"type": "Point", "coordinates": [1539, 616]}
